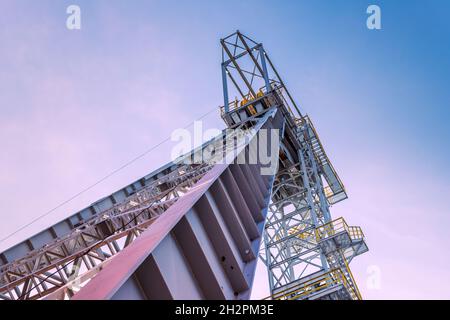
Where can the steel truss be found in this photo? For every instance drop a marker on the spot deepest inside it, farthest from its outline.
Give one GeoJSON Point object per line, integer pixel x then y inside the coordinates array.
{"type": "Point", "coordinates": [67, 262]}
{"type": "Point", "coordinates": [61, 261]}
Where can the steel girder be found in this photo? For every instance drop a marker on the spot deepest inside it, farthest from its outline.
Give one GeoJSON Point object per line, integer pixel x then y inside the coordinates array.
{"type": "Point", "coordinates": [205, 246]}
{"type": "Point", "coordinates": [64, 265]}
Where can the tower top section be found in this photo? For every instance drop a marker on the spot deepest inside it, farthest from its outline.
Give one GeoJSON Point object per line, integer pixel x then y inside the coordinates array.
{"type": "Point", "coordinates": [251, 73]}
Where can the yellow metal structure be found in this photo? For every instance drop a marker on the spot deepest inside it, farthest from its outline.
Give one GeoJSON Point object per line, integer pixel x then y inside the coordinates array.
{"type": "Point", "coordinates": [328, 230]}
{"type": "Point", "coordinates": [336, 226]}
{"type": "Point", "coordinates": [315, 285]}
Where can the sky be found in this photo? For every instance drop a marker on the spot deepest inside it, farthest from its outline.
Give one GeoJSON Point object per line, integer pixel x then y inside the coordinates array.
{"type": "Point", "coordinates": [77, 104]}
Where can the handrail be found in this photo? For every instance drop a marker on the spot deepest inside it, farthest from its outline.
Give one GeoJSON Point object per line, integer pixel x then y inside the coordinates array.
{"type": "Point", "coordinates": [327, 230]}
{"type": "Point", "coordinates": [331, 278]}
{"type": "Point", "coordinates": [301, 233]}
{"type": "Point", "coordinates": [336, 226]}
{"type": "Point", "coordinates": [358, 294]}
{"type": "Point", "coordinates": [248, 98]}
{"type": "Point", "coordinates": [308, 121]}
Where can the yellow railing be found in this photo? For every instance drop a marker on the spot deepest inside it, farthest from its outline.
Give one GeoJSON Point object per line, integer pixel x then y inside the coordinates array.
{"type": "Point", "coordinates": [350, 274]}
{"type": "Point", "coordinates": [336, 226]}
{"type": "Point", "coordinates": [332, 278]}
{"type": "Point", "coordinates": [235, 104]}
{"type": "Point", "coordinates": [328, 192]}
{"type": "Point", "coordinates": [327, 230]}
{"type": "Point", "coordinates": [356, 233]}
{"type": "Point", "coordinates": [299, 233]}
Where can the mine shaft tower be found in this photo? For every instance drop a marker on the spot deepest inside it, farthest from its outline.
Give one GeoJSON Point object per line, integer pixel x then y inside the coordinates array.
{"type": "Point", "coordinates": [194, 230]}
{"type": "Point", "coordinates": [306, 252]}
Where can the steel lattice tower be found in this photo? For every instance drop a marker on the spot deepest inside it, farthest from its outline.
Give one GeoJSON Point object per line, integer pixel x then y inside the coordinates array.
{"type": "Point", "coordinates": [305, 251]}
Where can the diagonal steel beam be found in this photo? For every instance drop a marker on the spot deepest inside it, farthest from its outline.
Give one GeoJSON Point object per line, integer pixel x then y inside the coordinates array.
{"type": "Point", "coordinates": [236, 65]}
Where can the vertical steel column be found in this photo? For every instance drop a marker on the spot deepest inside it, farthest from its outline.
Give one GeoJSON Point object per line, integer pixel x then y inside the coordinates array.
{"type": "Point", "coordinates": [318, 180]}
{"type": "Point", "coordinates": [262, 54]}
{"type": "Point", "coordinates": [310, 200]}
{"type": "Point", "coordinates": [225, 88]}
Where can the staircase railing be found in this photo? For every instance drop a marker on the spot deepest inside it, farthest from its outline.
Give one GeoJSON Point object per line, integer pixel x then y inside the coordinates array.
{"type": "Point", "coordinates": [336, 226]}
{"type": "Point", "coordinates": [317, 284]}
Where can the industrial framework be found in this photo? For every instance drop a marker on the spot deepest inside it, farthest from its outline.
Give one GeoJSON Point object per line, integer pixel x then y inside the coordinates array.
{"type": "Point", "coordinates": [194, 230]}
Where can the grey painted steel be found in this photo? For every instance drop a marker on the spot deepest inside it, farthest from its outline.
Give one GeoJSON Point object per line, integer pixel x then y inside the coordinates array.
{"type": "Point", "coordinates": [208, 255]}
{"type": "Point", "coordinates": [59, 264]}
{"type": "Point", "coordinates": [300, 242]}
{"type": "Point", "coordinates": [212, 250]}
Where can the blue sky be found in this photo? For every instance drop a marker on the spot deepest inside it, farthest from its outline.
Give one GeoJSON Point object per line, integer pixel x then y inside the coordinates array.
{"type": "Point", "coordinates": [75, 105]}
